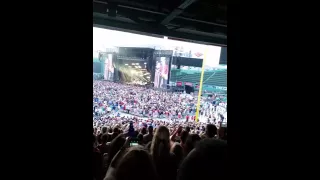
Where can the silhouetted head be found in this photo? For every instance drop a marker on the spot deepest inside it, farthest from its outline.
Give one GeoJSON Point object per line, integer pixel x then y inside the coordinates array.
{"type": "Point", "coordinates": [211, 130]}
{"type": "Point", "coordinates": [136, 163]}
{"type": "Point", "coordinates": [144, 131]}
{"type": "Point", "coordinates": [184, 136]}
{"type": "Point", "coordinates": [188, 129]}
{"type": "Point", "coordinates": [116, 130]}
{"type": "Point", "coordinates": [207, 159]}
{"type": "Point", "coordinates": [104, 130]}
{"type": "Point", "coordinates": [110, 130]}
{"type": "Point", "coordinates": [150, 130]}
{"type": "Point", "coordinates": [191, 142]}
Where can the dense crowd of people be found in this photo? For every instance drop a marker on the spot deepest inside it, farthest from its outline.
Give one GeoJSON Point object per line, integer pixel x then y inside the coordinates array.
{"type": "Point", "coordinates": [97, 76]}
{"type": "Point", "coordinates": [160, 140]}
{"type": "Point", "coordinates": [145, 102]}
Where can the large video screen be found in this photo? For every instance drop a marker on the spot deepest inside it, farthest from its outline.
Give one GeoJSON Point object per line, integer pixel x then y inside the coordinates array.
{"type": "Point", "coordinates": [161, 72]}
{"type": "Point", "coordinates": [108, 68]}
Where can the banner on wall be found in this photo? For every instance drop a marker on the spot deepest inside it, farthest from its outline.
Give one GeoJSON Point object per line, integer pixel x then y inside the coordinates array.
{"type": "Point", "coordinates": [181, 51]}
{"type": "Point", "coordinates": [179, 83]}
{"type": "Point", "coordinates": [188, 83]}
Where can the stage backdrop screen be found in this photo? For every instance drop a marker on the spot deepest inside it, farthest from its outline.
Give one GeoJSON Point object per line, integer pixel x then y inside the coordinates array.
{"type": "Point", "coordinates": [161, 72]}
{"type": "Point", "coordinates": [109, 69]}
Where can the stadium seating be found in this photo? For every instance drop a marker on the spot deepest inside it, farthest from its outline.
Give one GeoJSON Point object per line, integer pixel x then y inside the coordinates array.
{"type": "Point", "coordinates": [210, 78]}
{"type": "Point", "coordinates": [218, 79]}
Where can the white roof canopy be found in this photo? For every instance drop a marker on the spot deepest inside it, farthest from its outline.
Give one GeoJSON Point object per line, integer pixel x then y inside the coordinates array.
{"type": "Point", "coordinates": [105, 38]}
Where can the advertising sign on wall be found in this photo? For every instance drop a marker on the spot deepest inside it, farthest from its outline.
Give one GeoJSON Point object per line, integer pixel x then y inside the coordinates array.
{"type": "Point", "coordinates": [181, 51]}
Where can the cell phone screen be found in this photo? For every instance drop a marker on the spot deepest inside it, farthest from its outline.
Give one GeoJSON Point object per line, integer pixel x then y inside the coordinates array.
{"type": "Point", "coordinates": [133, 144]}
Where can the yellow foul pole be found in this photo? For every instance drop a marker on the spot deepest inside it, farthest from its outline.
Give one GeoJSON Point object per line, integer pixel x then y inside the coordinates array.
{"type": "Point", "coordinates": [200, 86]}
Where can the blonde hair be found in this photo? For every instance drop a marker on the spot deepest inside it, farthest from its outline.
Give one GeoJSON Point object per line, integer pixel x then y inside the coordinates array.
{"type": "Point", "coordinates": [133, 160]}
{"type": "Point", "coordinates": [160, 143]}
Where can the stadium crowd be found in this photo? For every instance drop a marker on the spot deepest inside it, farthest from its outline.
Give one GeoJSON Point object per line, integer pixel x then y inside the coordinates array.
{"type": "Point", "coordinates": [161, 142]}
{"type": "Point", "coordinates": [144, 102]}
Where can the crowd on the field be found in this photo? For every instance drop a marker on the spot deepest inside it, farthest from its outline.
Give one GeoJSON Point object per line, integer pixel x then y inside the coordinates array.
{"type": "Point", "coordinates": [145, 102]}
{"type": "Point", "coordinates": [141, 133]}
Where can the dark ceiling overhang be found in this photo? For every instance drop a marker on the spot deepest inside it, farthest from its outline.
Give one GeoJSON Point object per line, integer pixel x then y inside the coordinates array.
{"type": "Point", "coordinates": [178, 21]}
